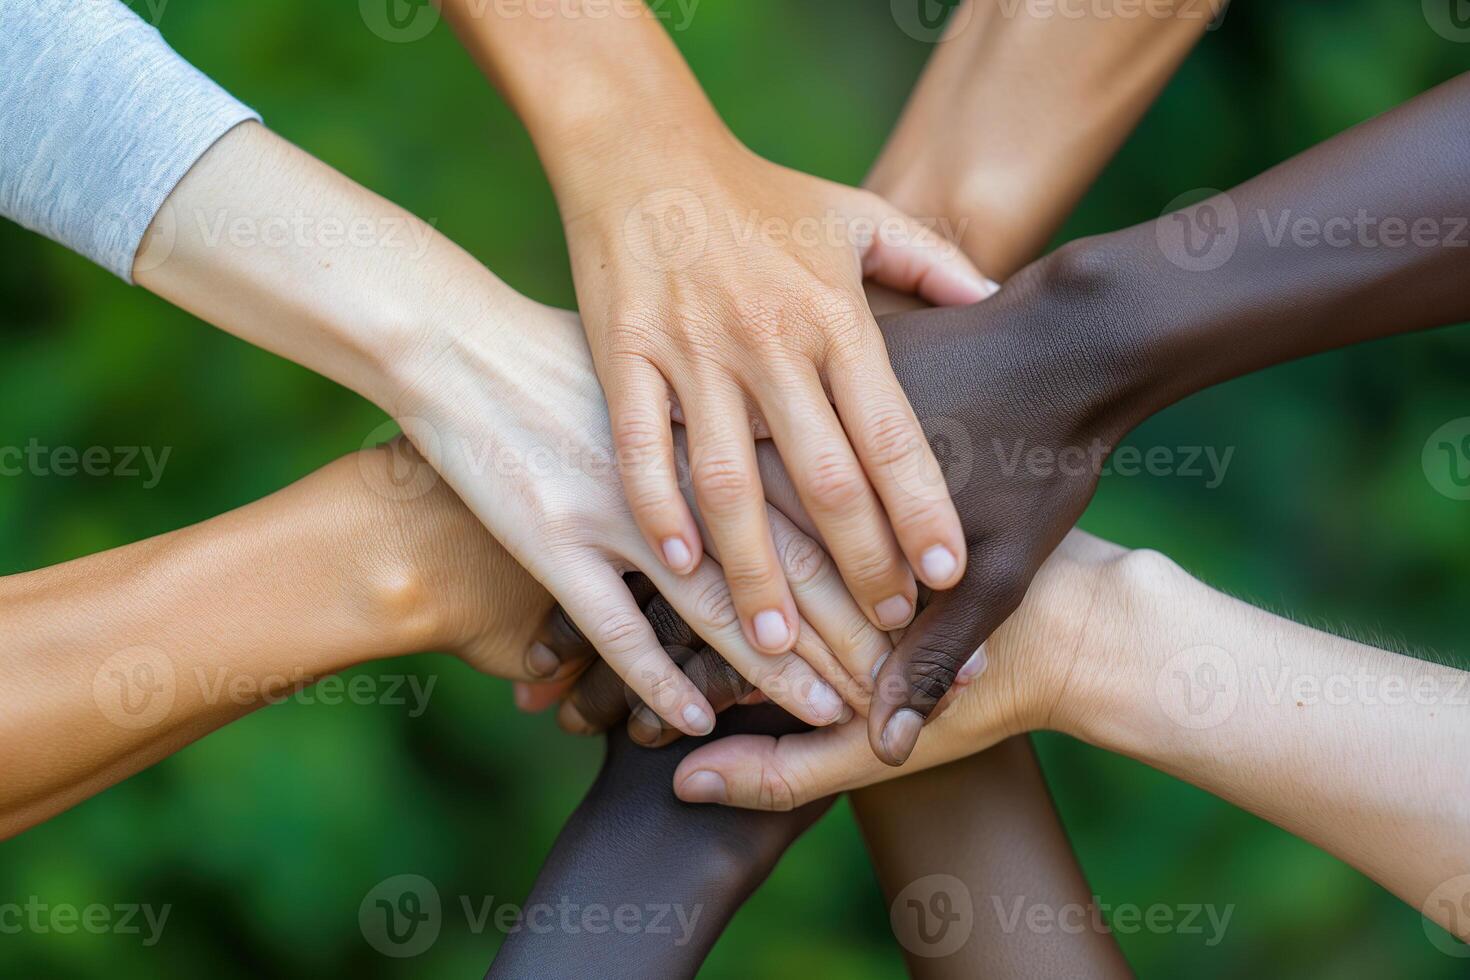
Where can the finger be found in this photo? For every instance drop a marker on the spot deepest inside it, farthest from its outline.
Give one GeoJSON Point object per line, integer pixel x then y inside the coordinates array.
{"type": "Point", "coordinates": [898, 460]}
{"type": "Point", "coordinates": [925, 663]}
{"type": "Point", "coordinates": [728, 490]}
{"type": "Point", "coordinates": [638, 404]}
{"type": "Point", "coordinates": [836, 494]}
{"type": "Point", "coordinates": [827, 607]}
{"type": "Point", "coordinates": [704, 601]}
{"type": "Point", "coordinates": [763, 773]}
{"type": "Point", "coordinates": [905, 255]}
{"type": "Point", "coordinates": [713, 675]}
{"type": "Point", "coordinates": [601, 699]}
{"type": "Point", "coordinates": [534, 698]}
{"type": "Point", "coordinates": [602, 609]}
{"type": "Point", "coordinates": [758, 772]}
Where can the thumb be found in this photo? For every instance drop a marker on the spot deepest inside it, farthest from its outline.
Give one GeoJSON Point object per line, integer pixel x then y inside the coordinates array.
{"type": "Point", "coordinates": [941, 648]}
{"type": "Point", "coordinates": [905, 255]}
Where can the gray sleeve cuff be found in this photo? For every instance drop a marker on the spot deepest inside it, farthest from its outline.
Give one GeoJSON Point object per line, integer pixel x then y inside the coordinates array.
{"type": "Point", "coordinates": [99, 121]}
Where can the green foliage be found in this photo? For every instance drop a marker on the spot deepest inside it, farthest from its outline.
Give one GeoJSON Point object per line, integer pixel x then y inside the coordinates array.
{"type": "Point", "coordinates": [265, 837]}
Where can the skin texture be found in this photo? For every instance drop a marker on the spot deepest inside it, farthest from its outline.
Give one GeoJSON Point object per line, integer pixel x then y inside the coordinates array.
{"type": "Point", "coordinates": [1088, 342]}
{"type": "Point", "coordinates": [606, 856]}
{"type": "Point", "coordinates": [1126, 651]}
{"type": "Point", "coordinates": [228, 615]}
{"type": "Point", "coordinates": [497, 392]}
{"type": "Point", "coordinates": [715, 281]}
{"type": "Point", "coordinates": [1004, 186]}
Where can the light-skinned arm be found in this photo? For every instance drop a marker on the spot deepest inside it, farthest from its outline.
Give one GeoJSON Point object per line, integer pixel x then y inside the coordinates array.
{"type": "Point", "coordinates": [113, 661]}
{"type": "Point", "coordinates": [495, 390]}
{"type": "Point", "coordinates": [719, 284]}
{"type": "Point", "coordinates": [1353, 748]}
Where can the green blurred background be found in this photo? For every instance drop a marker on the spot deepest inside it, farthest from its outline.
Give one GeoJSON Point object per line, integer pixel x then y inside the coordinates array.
{"type": "Point", "coordinates": [265, 836]}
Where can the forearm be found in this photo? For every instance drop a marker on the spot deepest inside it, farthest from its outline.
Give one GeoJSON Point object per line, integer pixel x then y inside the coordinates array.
{"type": "Point", "coordinates": [603, 94]}
{"type": "Point", "coordinates": [266, 242]}
{"type": "Point", "coordinates": [1355, 749]}
{"type": "Point", "coordinates": [1019, 110]}
{"type": "Point", "coordinates": [1362, 236]}
{"type": "Point", "coordinates": [631, 845]}
{"type": "Point", "coordinates": [113, 661]}
{"type": "Point", "coordinates": [1001, 847]}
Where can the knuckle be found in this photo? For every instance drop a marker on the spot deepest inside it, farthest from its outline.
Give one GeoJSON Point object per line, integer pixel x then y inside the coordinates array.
{"type": "Point", "coordinates": [775, 790]}
{"type": "Point", "coordinates": [891, 435]}
{"type": "Point", "coordinates": [801, 558]}
{"type": "Point", "coordinates": [721, 481]}
{"type": "Point", "coordinates": [633, 332]}
{"type": "Point", "coordinates": [835, 482]}
{"type": "Point", "coordinates": [747, 577]}
{"type": "Point", "coordinates": [931, 673]}
{"type": "Point", "coordinates": [716, 607]}
{"type": "Point", "coordinates": [836, 311]}
{"type": "Point", "coordinates": [618, 631]}
{"type": "Point", "coordinates": [868, 569]}
{"type": "Point", "coordinates": [641, 429]}
{"type": "Point", "coordinates": [663, 691]}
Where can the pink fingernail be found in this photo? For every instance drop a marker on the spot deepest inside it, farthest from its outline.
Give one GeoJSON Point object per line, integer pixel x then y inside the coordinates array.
{"type": "Point", "coordinates": [939, 564]}
{"type": "Point", "coordinates": [894, 612]}
{"type": "Point", "coordinates": [973, 667]}
{"type": "Point", "coordinates": [771, 630]}
{"type": "Point", "coordinates": [703, 786]}
{"type": "Point", "coordinates": [676, 554]}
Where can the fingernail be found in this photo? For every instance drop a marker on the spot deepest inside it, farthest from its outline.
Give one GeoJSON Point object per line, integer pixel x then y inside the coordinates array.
{"type": "Point", "coordinates": [846, 715]}
{"type": "Point", "coordinates": [894, 612]}
{"type": "Point", "coordinates": [571, 720]}
{"type": "Point", "coordinates": [879, 665]}
{"type": "Point", "coordinates": [676, 554]}
{"type": "Point", "coordinates": [824, 702]}
{"type": "Point", "coordinates": [541, 661]}
{"type": "Point", "coordinates": [938, 564]}
{"type": "Point", "coordinates": [698, 720]}
{"type": "Point", "coordinates": [703, 786]}
{"type": "Point", "coordinates": [988, 287]}
{"type": "Point", "coordinates": [523, 697]}
{"type": "Point", "coordinates": [771, 630]}
{"type": "Point", "coordinates": [645, 727]}
{"type": "Point", "coordinates": [901, 734]}
{"type": "Point", "coordinates": [973, 667]}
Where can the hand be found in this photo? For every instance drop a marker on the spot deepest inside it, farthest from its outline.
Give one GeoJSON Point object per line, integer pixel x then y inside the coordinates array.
{"type": "Point", "coordinates": [735, 300]}
{"type": "Point", "coordinates": [631, 842]}
{"type": "Point", "coordinates": [1030, 676]}
{"type": "Point", "coordinates": [521, 430]}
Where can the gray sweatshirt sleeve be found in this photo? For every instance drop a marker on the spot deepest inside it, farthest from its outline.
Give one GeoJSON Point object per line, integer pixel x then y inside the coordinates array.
{"type": "Point", "coordinates": [99, 120]}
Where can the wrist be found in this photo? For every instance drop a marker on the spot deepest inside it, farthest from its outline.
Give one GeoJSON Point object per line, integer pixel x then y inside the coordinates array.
{"type": "Point", "coordinates": [1118, 702]}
